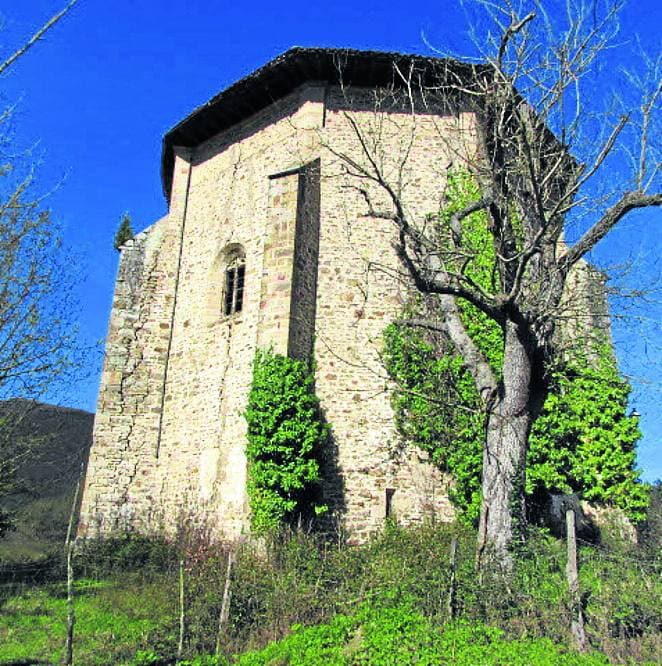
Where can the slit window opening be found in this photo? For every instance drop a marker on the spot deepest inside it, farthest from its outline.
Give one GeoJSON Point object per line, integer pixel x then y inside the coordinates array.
{"type": "Point", "coordinates": [239, 296]}
{"type": "Point", "coordinates": [388, 509]}
{"type": "Point", "coordinates": [234, 287]}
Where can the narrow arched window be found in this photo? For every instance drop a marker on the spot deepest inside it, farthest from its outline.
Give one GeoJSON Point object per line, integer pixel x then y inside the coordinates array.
{"type": "Point", "coordinates": [235, 273]}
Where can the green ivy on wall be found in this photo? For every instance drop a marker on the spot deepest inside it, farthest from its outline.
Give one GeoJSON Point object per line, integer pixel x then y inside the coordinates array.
{"type": "Point", "coordinates": [479, 267]}
{"type": "Point", "coordinates": [437, 408]}
{"type": "Point", "coordinates": [286, 435]}
{"type": "Point", "coordinates": [582, 442]}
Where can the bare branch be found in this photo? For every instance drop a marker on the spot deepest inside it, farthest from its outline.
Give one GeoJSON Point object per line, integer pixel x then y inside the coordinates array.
{"type": "Point", "coordinates": [458, 216]}
{"type": "Point", "coordinates": [508, 34]}
{"type": "Point", "coordinates": [452, 325]}
{"type": "Point", "coordinates": [604, 152]}
{"type": "Point", "coordinates": [36, 37]}
{"type": "Point", "coordinates": [628, 202]}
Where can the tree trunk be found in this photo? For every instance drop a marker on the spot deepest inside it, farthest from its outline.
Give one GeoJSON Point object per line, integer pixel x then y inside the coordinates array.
{"type": "Point", "coordinates": [502, 517]}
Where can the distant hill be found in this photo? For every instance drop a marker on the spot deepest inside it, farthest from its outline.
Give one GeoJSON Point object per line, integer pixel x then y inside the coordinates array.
{"type": "Point", "coordinates": [48, 444]}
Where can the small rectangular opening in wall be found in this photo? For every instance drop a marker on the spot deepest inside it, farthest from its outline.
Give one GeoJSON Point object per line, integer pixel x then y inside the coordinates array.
{"type": "Point", "coordinates": [229, 290]}
{"type": "Point", "coordinates": [241, 273]}
{"type": "Point", "coordinates": [388, 504]}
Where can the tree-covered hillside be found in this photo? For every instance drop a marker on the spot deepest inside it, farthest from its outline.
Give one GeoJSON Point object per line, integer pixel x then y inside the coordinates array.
{"type": "Point", "coordinates": [42, 449]}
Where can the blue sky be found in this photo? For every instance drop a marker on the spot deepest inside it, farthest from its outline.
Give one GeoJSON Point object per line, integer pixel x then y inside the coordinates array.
{"type": "Point", "coordinates": [97, 94]}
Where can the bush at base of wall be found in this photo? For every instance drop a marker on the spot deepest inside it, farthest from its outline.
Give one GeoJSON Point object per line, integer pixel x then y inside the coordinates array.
{"type": "Point", "coordinates": [286, 436]}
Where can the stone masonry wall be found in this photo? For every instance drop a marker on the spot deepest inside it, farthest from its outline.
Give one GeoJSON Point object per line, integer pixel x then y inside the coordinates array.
{"type": "Point", "coordinates": [583, 316]}
{"type": "Point", "coordinates": [316, 270]}
{"type": "Point", "coordinates": [122, 473]}
{"type": "Point", "coordinates": [321, 277]}
{"type": "Point", "coordinates": [277, 262]}
{"type": "Point", "coordinates": [359, 293]}
{"type": "Point", "coordinates": [236, 199]}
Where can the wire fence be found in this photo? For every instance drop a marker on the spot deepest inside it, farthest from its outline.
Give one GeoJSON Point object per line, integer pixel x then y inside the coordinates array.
{"type": "Point", "coordinates": [303, 580]}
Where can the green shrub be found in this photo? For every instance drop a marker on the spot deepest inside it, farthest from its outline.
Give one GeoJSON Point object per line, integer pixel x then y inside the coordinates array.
{"type": "Point", "coordinates": [99, 558]}
{"type": "Point", "coordinates": [205, 660]}
{"type": "Point", "coordinates": [286, 438]}
{"type": "Point", "coordinates": [312, 599]}
{"type": "Point", "coordinates": [146, 658]}
{"type": "Point", "coordinates": [583, 441]}
{"type": "Point", "coordinates": [304, 581]}
{"type": "Point", "coordinates": [124, 232]}
{"type": "Point", "coordinates": [431, 381]}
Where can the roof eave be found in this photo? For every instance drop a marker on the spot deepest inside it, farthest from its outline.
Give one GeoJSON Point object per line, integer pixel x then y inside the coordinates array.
{"type": "Point", "coordinates": [281, 76]}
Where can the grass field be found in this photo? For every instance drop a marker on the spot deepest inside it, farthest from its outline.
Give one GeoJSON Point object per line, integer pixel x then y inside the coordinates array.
{"type": "Point", "coordinates": [129, 623]}
{"type": "Point", "coordinates": [113, 621]}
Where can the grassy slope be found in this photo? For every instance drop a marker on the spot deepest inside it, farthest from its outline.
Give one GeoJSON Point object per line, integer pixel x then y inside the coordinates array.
{"type": "Point", "coordinates": [116, 620]}
{"type": "Point", "coordinates": [390, 636]}
{"type": "Point", "coordinates": [303, 601]}
{"type": "Point", "coordinates": [113, 621]}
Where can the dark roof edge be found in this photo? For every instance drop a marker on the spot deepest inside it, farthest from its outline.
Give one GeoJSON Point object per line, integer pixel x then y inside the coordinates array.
{"type": "Point", "coordinates": [280, 77]}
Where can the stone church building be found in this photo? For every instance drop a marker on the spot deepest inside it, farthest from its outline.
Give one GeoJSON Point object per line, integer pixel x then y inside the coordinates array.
{"type": "Point", "coordinates": [267, 243]}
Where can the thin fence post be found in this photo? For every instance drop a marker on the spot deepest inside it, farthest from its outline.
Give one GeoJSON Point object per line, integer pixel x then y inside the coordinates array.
{"type": "Point", "coordinates": [224, 615]}
{"type": "Point", "coordinates": [576, 613]}
{"type": "Point", "coordinates": [452, 587]}
{"type": "Point", "coordinates": [69, 546]}
{"type": "Point", "coordinates": [182, 614]}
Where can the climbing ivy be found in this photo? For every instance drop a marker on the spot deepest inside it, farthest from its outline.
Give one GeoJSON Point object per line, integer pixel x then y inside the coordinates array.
{"type": "Point", "coordinates": [286, 435]}
{"type": "Point", "coordinates": [437, 408]}
{"type": "Point", "coordinates": [582, 442]}
{"type": "Point", "coordinates": [480, 258]}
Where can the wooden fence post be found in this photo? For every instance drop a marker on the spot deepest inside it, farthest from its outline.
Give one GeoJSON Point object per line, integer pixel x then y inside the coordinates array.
{"type": "Point", "coordinates": [452, 587]}
{"type": "Point", "coordinates": [69, 546]}
{"type": "Point", "coordinates": [576, 613]}
{"type": "Point", "coordinates": [182, 613]}
{"type": "Point", "coordinates": [225, 606]}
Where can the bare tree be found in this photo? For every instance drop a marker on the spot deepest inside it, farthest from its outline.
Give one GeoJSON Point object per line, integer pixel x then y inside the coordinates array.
{"type": "Point", "coordinates": [538, 154]}
{"type": "Point", "coordinates": [36, 314]}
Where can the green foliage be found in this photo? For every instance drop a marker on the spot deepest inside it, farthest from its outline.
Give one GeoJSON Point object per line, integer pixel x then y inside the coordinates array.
{"type": "Point", "coordinates": [436, 402]}
{"type": "Point", "coordinates": [286, 437]}
{"type": "Point", "coordinates": [625, 593]}
{"type": "Point", "coordinates": [100, 558]}
{"type": "Point", "coordinates": [650, 531]}
{"type": "Point", "coordinates": [152, 658]}
{"type": "Point", "coordinates": [462, 190]}
{"type": "Point", "coordinates": [124, 232]}
{"type": "Point", "coordinates": [380, 635]}
{"type": "Point", "coordinates": [204, 660]}
{"type": "Point", "coordinates": [437, 408]}
{"type": "Point", "coordinates": [146, 658]}
{"type": "Point", "coordinates": [583, 442]}
{"type": "Point", "coordinates": [403, 574]}
{"type": "Point", "coordinates": [382, 602]}
{"type": "Point", "coordinates": [112, 621]}
{"type": "Point", "coordinates": [316, 646]}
